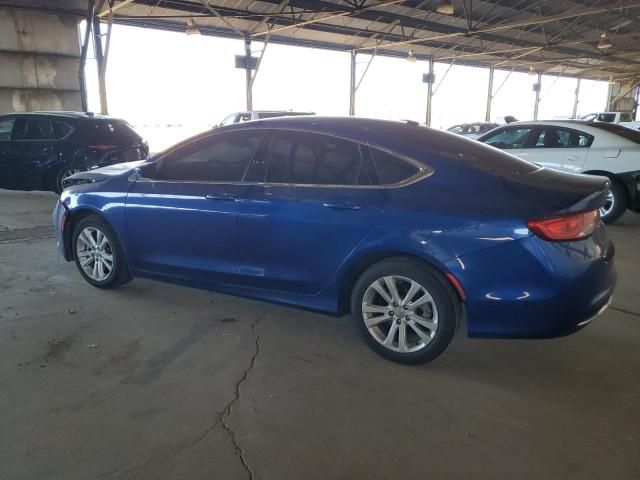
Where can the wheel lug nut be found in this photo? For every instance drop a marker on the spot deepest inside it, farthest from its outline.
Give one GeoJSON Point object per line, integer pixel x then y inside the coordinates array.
{"type": "Point", "coordinates": [406, 307]}
{"type": "Point", "coordinates": [395, 304]}
{"type": "Point", "coordinates": [398, 321]}
{"type": "Point", "coordinates": [391, 313]}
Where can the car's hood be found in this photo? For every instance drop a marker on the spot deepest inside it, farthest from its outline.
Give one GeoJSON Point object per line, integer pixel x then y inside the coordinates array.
{"type": "Point", "coordinates": [101, 174]}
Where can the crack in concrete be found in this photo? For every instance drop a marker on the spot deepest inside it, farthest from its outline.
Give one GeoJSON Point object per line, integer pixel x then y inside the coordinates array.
{"type": "Point", "coordinates": [628, 312]}
{"type": "Point", "coordinates": [224, 417]}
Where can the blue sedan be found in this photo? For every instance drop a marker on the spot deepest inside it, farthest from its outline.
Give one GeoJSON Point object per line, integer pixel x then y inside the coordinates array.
{"type": "Point", "coordinates": [408, 229]}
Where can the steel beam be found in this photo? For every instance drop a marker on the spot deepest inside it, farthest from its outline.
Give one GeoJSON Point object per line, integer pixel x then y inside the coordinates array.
{"type": "Point", "coordinates": [247, 72]}
{"type": "Point", "coordinates": [576, 100]}
{"type": "Point", "coordinates": [429, 92]}
{"type": "Point", "coordinates": [537, 101]}
{"type": "Point", "coordinates": [82, 80]}
{"type": "Point", "coordinates": [352, 85]}
{"type": "Point", "coordinates": [487, 116]}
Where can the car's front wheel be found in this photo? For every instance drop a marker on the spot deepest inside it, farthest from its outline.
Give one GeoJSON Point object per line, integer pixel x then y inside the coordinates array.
{"type": "Point", "coordinates": [98, 254]}
{"type": "Point", "coordinates": [406, 311]}
{"type": "Point", "coordinates": [616, 202]}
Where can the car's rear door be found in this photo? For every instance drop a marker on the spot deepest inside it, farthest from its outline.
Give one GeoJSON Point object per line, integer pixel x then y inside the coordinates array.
{"type": "Point", "coordinates": [558, 148]}
{"type": "Point", "coordinates": [6, 125]}
{"type": "Point", "coordinates": [182, 210]}
{"type": "Point", "coordinates": [313, 200]}
{"type": "Point", "coordinates": [32, 153]}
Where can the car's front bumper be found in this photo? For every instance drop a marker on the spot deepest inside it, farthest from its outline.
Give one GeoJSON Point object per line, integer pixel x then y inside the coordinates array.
{"type": "Point", "coordinates": [530, 288]}
{"type": "Point", "coordinates": [60, 216]}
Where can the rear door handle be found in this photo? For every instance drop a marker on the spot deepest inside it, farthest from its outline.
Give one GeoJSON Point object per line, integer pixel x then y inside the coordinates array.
{"type": "Point", "coordinates": [341, 206]}
{"type": "Point", "coordinates": [221, 197]}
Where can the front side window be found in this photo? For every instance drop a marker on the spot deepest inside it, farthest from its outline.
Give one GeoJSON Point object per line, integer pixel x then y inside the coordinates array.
{"type": "Point", "coordinates": [32, 129]}
{"type": "Point", "coordinates": [552, 137]}
{"type": "Point", "coordinates": [311, 159]}
{"type": "Point", "coordinates": [6, 125]}
{"type": "Point", "coordinates": [219, 158]}
{"type": "Point", "coordinates": [509, 138]}
{"type": "Point", "coordinates": [392, 169]}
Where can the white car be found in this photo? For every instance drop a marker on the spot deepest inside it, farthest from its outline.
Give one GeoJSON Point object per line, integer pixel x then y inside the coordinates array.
{"type": "Point", "coordinates": [595, 148]}
{"type": "Point", "coordinates": [609, 117]}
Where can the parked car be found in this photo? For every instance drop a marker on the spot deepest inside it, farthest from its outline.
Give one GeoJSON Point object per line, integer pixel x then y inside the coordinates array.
{"type": "Point", "coordinates": [608, 117]}
{"type": "Point", "coordinates": [399, 224]}
{"type": "Point", "coordinates": [39, 150]}
{"type": "Point", "coordinates": [633, 125]}
{"type": "Point", "coordinates": [595, 148]}
{"type": "Point", "coordinates": [240, 117]}
{"type": "Point", "coordinates": [472, 130]}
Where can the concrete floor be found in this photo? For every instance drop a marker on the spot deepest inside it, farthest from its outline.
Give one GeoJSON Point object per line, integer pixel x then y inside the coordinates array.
{"type": "Point", "coordinates": [155, 381]}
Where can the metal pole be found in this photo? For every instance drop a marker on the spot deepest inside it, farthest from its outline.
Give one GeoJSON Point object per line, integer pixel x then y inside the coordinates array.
{"type": "Point", "coordinates": [539, 87]}
{"type": "Point", "coordinates": [609, 93]}
{"type": "Point", "coordinates": [83, 59]}
{"type": "Point", "coordinates": [352, 86]}
{"type": "Point", "coordinates": [102, 84]}
{"type": "Point", "coordinates": [487, 116]}
{"type": "Point", "coordinates": [429, 92]}
{"type": "Point", "coordinates": [247, 70]}
{"type": "Point", "coordinates": [576, 100]}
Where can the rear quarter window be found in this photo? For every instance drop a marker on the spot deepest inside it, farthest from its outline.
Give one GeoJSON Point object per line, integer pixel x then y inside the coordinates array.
{"type": "Point", "coordinates": [113, 132]}
{"type": "Point", "coordinates": [391, 169]}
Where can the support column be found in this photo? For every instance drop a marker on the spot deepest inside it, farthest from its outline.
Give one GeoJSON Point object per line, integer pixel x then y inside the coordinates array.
{"type": "Point", "coordinates": [352, 85]}
{"type": "Point", "coordinates": [83, 58]}
{"type": "Point", "coordinates": [102, 83]}
{"type": "Point", "coordinates": [538, 88]}
{"type": "Point", "coordinates": [247, 70]}
{"type": "Point", "coordinates": [576, 100]}
{"type": "Point", "coordinates": [487, 116]}
{"type": "Point", "coordinates": [429, 92]}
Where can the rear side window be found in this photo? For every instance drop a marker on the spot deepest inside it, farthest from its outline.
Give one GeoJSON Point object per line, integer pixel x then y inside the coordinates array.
{"type": "Point", "coordinates": [552, 137]}
{"type": "Point", "coordinates": [391, 169]}
{"type": "Point", "coordinates": [625, 117]}
{"type": "Point", "coordinates": [6, 125]}
{"type": "Point", "coordinates": [509, 138]}
{"type": "Point", "coordinates": [60, 129]}
{"type": "Point", "coordinates": [32, 129]}
{"type": "Point", "coordinates": [311, 159]}
{"type": "Point", "coordinates": [607, 117]}
{"type": "Point", "coordinates": [220, 158]}
{"type": "Point", "coordinates": [112, 132]}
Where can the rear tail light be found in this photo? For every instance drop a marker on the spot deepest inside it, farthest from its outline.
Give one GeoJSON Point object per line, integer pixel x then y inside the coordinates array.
{"type": "Point", "coordinates": [573, 226]}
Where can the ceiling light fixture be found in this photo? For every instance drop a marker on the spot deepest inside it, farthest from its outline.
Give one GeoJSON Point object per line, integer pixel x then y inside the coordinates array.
{"type": "Point", "coordinates": [604, 43]}
{"type": "Point", "coordinates": [192, 28]}
{"type": "Point", "coordinates": [532, 71]}
{"type": "Point", "coordinates": [445, 7]}
{"type": "Point", "coordinates": [411, 58]}
{"type": "Point", "coordinates": [611, 81]}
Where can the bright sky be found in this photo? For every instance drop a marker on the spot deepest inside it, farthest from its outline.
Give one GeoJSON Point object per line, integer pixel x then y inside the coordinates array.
{"type": "Point", "coordinates": [170, 85]}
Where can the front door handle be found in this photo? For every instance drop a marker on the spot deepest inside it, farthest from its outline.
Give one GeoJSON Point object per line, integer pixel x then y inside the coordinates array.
{"type": "Point", "coordinates": [341, 206]}
{"type": "Point", "coordinates": [221, 197]}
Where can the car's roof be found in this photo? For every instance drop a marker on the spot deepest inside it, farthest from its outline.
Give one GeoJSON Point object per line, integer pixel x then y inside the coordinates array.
{"type": "Point", "coordinates": [63, 114]}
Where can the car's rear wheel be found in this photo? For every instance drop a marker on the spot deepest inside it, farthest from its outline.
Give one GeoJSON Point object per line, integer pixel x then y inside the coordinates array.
{"type": "Point", "coordinates": [616, 202]}
{"type": "Point", "coordinates": [98, 254]}
{"type": "Point", "coordinates": [405, 310]}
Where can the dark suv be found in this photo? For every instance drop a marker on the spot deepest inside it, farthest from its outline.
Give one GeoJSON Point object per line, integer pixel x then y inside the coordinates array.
{"type": "Point", "coordinates": [39, 150]}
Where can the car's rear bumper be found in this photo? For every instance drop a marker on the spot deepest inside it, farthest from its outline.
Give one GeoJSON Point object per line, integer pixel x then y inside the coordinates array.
{"type": "Point", "coordinates": [530, 288]}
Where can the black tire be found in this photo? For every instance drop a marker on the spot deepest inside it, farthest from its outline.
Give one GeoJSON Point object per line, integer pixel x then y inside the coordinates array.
{"type": "Point", "coordinates": [118, 274]}
{"type": "Point", "coordinates": [620, 202]}
{"type": "Point", "coordinates": [56, 178]}
{"type": "Point", "coordinates": [445, 301]}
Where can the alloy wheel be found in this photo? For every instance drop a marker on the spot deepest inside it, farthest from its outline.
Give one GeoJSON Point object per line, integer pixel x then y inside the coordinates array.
{"type": "Point", "coordinates": [609, 203]}
{"type": "Point", "coordinates": [400, 314]}
{"type": "Point", "coordinates": [95, 253]}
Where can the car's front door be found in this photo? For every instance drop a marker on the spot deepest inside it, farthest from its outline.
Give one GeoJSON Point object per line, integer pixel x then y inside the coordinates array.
{"type": "Point", "coordinates": [6, 125]}
{"type": "Point", "coordinates": [558, 148]}
{"type": "Point", "coordinates": [314, 198]}
{"type": "Point", "coordinates": [182, 209]}
{"type": "Point", "coordinates": [33, 150]}
{"type": "Point", "coordinates": [511, 139]}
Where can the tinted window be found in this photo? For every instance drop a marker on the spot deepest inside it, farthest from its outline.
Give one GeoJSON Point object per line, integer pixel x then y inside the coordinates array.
{"type": "Point", "coordinates": [222, 158]}
{"type": "Point", "coordinates": [229, 120]}
{"type": "Point", "coordinates": [625, 132]}
{"type": "Point", "coordinates": [625, 117]}
{"type": "Point", "coordinates": [607, 117]}
{"type": "Point", "coordinates": [561, 138]}
{"type": "Point", "coordinates": [391, 169]}
{"type": "Point", "coordinates": [32, 129]}
{"type": "Point", "coordinates": [60, 129]}
{"type": "Point", "coordinates": [6, 125]}
{"type": "Point", "coordinates": [311, 159]}
{"type": "Point", "coordinates": [509, 138]}
{"type": "Point", "coordinates": [113, 132]}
